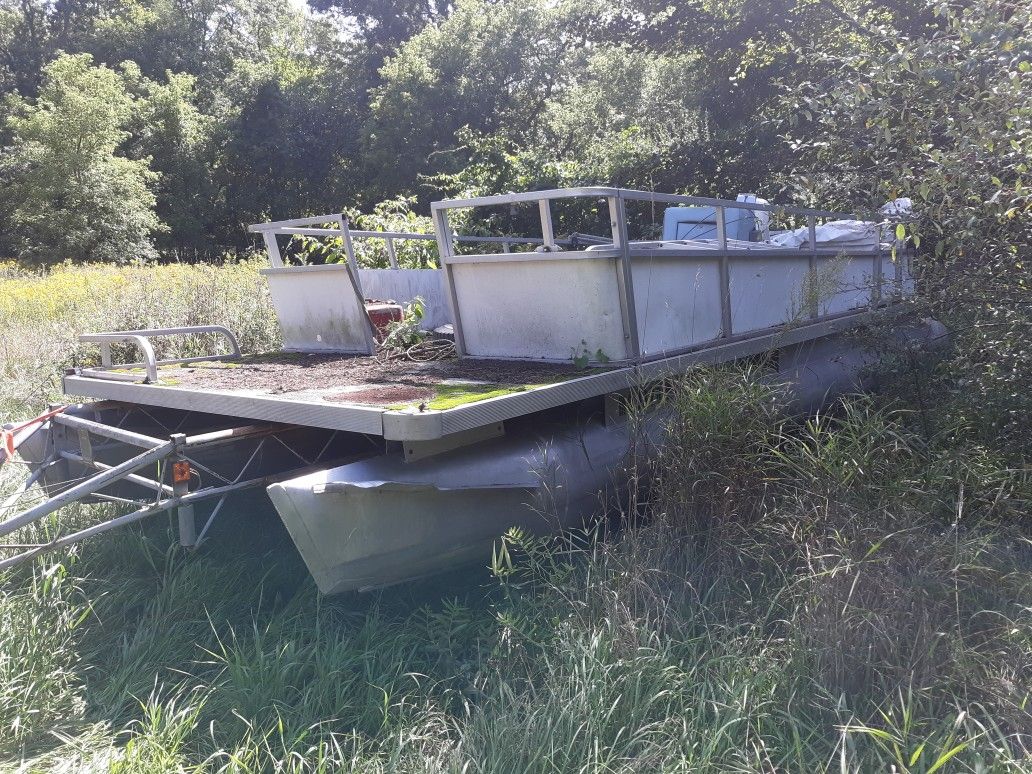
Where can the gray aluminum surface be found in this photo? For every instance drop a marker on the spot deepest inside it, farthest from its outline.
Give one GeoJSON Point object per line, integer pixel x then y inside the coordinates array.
{"type": "Point", "coordinates": [413, 425]}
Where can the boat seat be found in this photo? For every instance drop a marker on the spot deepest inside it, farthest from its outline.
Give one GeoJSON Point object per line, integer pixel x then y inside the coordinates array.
{"type": "Point", "coordinates": [701, 223]}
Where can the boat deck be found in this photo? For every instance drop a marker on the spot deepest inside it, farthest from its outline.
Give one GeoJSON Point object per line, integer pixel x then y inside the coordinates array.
{"type": "Point", "coordinates": [404, 400]}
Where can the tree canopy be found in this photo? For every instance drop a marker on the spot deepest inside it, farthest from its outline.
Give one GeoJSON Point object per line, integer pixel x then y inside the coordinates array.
{"type": "Point", "coordinates": [201, 116]}
{"type": "Point", "coordinates": [72, 195]}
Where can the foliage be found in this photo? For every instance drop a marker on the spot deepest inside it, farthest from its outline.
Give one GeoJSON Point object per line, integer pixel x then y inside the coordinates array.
{"type": "Point", "coordinates": [386, 24]}
{"type": "Point", "coordinates": [844, 592]}
{"type": "Point", "coordinates": [944, 118]}
{"type": "Point", "coordinates": [622, 120]}
{"type": "Point", "coordinates": [370, 252]}
{"type": "Point", "coordinates": [488, 72]}
{"type": "Point", "coordinates": [406, 332]}
{"type": "Point", "coordinates": [170, 130]}
{"type": "Point", "coordinates": [42, 315]}
{"type": "Point", "coordinates": [828, 614]}
{"type": "Point", "coordinates": [72, 197]}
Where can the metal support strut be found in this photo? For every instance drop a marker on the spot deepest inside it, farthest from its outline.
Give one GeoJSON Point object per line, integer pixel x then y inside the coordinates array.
{"type": "Point", "coordinates": [172, 456]}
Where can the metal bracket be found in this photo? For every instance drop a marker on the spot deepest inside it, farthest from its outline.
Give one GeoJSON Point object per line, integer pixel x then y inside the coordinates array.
{"type": "Point", "coordinates": [85, 446]}
{"type": "Point", "coordinates": [418, 450]}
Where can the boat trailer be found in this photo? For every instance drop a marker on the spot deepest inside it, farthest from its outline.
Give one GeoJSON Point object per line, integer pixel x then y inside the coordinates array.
{"type": "Point", "coordinates": [149, 473]}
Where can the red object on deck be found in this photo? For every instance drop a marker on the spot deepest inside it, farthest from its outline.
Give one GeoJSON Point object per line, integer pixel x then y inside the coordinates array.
{"type": "Point", "coordinates": [382, 314]}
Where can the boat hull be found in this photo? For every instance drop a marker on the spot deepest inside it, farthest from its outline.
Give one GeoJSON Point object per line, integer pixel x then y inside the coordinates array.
{"type": "Point", "coordinates": [382, 520]}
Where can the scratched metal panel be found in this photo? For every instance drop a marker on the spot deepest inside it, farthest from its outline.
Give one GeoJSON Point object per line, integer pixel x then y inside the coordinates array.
{"type": "Point", "coordinates": [677, 301]}
{"type": "Point", "coordinates": [844, 283]}
{"type": "Point", "coordinates": [766, 292]}
{"type": "Point", "coordinates": [547, 309]}
{"type": "Point", "coordinates": [317, 308]}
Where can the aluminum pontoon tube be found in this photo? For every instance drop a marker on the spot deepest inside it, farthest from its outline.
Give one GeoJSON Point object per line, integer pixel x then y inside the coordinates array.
{"type": "Point", "coordinates": [382, 520]}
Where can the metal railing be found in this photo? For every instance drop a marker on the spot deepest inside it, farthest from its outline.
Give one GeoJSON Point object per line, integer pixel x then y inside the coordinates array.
{"type": "Point", "coordinates": [306, 227]}
{"type": "Point", "coordinates": [622, 249]}
{"type": "Point", "coordinates": [141, 338]}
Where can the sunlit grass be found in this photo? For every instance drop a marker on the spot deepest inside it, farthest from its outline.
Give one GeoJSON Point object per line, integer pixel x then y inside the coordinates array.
{"type": "Point", "coordinates": [836, 594]}
{"type": "Point", "coordinates": [42, 315]}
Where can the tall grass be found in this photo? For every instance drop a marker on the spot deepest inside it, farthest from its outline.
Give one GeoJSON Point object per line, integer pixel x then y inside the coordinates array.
{"type": "Point", "coordinates": [845, 592]}
{"type": "Point", "coordinates": [43, 314]}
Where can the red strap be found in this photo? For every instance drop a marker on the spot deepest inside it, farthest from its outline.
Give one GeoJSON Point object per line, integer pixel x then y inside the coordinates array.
{"type": "Point", "coordinates": [9, 443]}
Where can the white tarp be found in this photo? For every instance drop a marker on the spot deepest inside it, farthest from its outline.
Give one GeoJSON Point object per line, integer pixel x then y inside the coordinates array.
{"type": "Point", "coordinates": [858, 235]}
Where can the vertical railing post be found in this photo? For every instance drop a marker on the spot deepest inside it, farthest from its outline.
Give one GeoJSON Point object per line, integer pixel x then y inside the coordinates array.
{"type": "Point", "coordinates": [815, 301]}
{"type": "Point", "coordinates": [356, 282]}
{"type": "Point", "coordinates": [272, 248]}
{"type": "Point", "coordinates": [547, 233]}
{"type": "Point", "coordinates": [349, 247]}
{"type": "Point", "coordinates": [392, 256]}
{"type": "Point", "coordinates": [876, 276]}
{"type": "Point", "coordinates": [181, 487]}
{"type": "Point", "coordinates": [725, 274]}
{"type": "Point", "coordinates": [445, 250]}
{"type": "Point", "coordinates": [625, 276]}
{"type": "Point", "coordinates": [901, 256]}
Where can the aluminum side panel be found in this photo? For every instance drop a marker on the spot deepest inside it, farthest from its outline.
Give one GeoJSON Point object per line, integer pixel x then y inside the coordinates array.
{"type": "Point", "coordinates": [677, 301]}
{"type": "Point", "coordinates": [317, 309]}
{"type": "Point", "coordinates": [356, 419]}
{"type": "Point", "coordinates": [540, 309]}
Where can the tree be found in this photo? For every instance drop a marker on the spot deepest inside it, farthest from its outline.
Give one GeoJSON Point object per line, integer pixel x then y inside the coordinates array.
{"type": "Point", "coordinates": [626, 118]}
{"type": "Point", "coordinates": [208, 39]}
{"type": "Point", "coordinates": [490, 68]}
{"type": "Point", "coordinates": [290, 145]}
{"type": "Point", "coordinates": [943, 117]}
{"type": "Point", "coordinates": [386, 24]}
{"type": "Point", "coordinates": [33, 31]}
{"type": "Point", "coordinates": [71, 196]}
{"type": "Point", "coordinates": [171, 130]}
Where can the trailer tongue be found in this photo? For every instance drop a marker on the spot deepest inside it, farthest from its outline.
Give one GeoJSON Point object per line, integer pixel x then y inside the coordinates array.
{"type": "Point", "coordinates": [384, 471]}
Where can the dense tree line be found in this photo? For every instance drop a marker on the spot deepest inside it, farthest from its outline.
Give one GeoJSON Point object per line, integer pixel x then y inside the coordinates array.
{"type": "Point", "coordinates": [137, 128]}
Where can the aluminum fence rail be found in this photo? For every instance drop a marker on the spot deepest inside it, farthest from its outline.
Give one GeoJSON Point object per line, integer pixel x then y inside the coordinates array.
{"type": "Point", "coordinates": [341, 228]}
{"type": "Point", "coordinates": [141, 338]}
{"type": "Point", "coordinates": [725, 256]}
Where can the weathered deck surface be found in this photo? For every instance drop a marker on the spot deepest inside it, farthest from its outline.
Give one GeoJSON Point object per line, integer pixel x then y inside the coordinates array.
{"type": "Point", "coordinates": [366, 381]}
{"type": "Point", "coordinates": [408, 401]}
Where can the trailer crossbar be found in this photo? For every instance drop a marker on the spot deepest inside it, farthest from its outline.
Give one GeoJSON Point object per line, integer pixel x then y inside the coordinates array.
{"type": "Point", "coordinates": [88, 487]}
{"type": "Point", "coordinates": [150, 451]}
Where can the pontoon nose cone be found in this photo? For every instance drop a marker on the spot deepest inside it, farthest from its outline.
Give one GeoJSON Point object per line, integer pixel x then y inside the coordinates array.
{"type": "Point", "coordinates": [382, 520]}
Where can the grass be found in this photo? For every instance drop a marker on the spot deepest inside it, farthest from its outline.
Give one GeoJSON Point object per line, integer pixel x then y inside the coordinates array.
{"type": "Point", "coordinates": [42, 315]}
{"type": "Point", "coordinates": [851, 592]}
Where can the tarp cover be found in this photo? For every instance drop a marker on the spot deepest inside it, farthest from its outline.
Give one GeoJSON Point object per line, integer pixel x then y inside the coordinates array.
{"type": "Point", "coordinates": [843, 234]}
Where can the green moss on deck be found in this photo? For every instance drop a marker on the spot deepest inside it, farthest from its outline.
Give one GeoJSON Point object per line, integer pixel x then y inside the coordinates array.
{"type": "Point", "coordinates": [448, 396]}
{"type": "Point", "coordinates": [452, 395]}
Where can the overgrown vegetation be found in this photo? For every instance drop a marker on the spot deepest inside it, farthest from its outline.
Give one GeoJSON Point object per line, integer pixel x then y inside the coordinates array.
{"type": "Point", "coordinates": [42, 315]}
{"type": "Point", "coordinates": [784, 594]}
{"type": "Point", "coordinates": [845, 592]}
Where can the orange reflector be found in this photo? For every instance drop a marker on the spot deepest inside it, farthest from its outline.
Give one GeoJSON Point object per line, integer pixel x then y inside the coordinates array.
{"type": "Point", "coordinates": [180, 472]}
